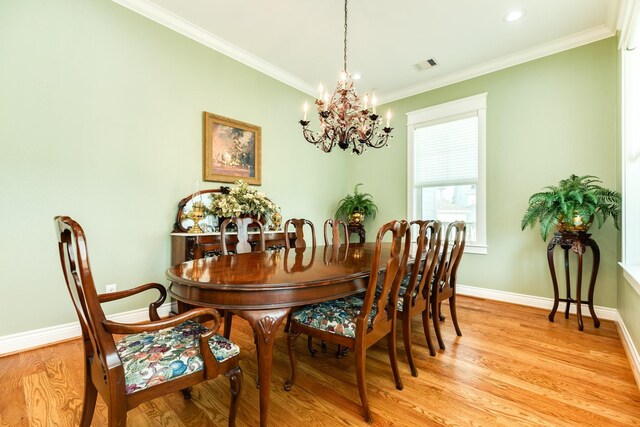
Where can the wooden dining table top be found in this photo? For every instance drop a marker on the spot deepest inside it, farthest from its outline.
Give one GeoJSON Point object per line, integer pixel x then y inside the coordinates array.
{"type": "Point", "coordinates": [275, 279]}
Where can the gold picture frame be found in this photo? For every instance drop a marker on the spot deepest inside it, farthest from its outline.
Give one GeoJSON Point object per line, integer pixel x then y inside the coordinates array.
{"type": "Point", "coordinates": [232, 150]}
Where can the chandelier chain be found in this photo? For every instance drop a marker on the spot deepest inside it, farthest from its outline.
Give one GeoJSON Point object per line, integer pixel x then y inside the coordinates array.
{"type": "Point", "coordinates": [345, 36]}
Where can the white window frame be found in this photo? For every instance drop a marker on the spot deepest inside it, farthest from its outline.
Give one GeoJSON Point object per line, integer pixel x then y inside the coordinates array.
{"type": "Point", "coordinates": [476, 104]}
{"type": "Point", "coordinates": [630, 159]}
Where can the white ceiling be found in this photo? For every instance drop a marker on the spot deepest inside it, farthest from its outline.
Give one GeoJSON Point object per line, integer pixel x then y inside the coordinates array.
{"type": "Point", "coordinates": [300, 42]}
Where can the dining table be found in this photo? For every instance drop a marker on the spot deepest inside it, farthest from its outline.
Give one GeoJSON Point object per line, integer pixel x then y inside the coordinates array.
{"type": "Point", "coordinates": [263, 287]}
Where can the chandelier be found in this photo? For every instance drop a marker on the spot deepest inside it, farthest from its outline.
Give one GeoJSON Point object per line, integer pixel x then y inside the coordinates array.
{"type": "Point", "coordinates": [344, 119]}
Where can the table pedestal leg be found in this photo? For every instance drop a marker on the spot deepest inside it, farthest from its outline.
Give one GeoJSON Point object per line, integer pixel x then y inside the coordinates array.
{"type": "Point", "coordinates": [265, 324]}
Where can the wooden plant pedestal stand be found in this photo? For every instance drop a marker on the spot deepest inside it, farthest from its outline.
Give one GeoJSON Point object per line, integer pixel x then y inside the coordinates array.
{"type": "Point", "coordinates": [578, 244]}
{"type": "Point", "coordinates": [357, 229]}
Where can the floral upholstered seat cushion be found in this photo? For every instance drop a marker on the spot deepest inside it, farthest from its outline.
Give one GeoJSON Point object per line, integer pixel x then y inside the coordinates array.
{"type": "Point", "coordinates": [150, 358]}
{"type": "Point", "coordinates": [336, 316]}
{"type": "Point", "coordinates": [401, 291]}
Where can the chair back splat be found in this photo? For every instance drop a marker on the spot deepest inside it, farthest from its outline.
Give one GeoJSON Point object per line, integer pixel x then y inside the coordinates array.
{"type": "Point", "coordinates": [242, 227]}
{"type": "Point", "coordinates": [298, 224]}
{"type": "Point", "coordinates": [117, 356]}
{"type": "Point", "coordinates": [334, 226]}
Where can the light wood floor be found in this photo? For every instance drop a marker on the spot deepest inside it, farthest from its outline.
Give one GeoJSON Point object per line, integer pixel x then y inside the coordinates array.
{"type": "Point", "coordinates": [510, 367]}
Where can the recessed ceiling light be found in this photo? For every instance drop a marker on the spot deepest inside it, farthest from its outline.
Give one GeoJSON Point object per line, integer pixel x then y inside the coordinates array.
{"type": "Point", "coordinates": [514, 15]}
{"type": "Point", "coordinates": [356, 76]}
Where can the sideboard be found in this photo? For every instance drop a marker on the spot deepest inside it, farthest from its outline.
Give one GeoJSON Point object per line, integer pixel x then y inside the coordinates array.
{"type": "Point", "coordinates": [185, 246]}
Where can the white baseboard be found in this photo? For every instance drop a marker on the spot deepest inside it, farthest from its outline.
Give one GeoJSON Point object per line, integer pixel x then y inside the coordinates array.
{"type": "Point", "coordinates": [40, 337]}
{"type": "Point", "coordinates": [630, 349]}
{"type": "Point", "coordinates": [533, 301]}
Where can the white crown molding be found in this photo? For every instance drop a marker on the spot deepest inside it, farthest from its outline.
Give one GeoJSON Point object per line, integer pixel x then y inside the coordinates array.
{"type": "Point", "coordinates": [176, 23]}
{"type": "Point", "coordinates": [606, 313]}
{"type": "Point", "coordinates": [628, 17]}
{"type": "Point", "coordinates": [614, 9]}
{"type": "Point", "coordinates": [560, 45]}
{"type": "Point", "coordinates": [39, 337]}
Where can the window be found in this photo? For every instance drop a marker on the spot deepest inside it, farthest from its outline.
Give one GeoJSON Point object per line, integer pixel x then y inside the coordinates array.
{"type": "Point", "coordinates": [631, 163]}
{"type": "Point", "coordinates": [446, 166]}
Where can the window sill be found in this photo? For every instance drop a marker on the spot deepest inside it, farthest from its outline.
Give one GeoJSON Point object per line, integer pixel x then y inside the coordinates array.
{"type": "Point", "coordinates": [631, 272]}
{"type": "Point", "coordinates": [475, 249]}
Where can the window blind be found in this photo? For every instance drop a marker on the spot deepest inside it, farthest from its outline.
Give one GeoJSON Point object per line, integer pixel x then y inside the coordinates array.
{"type": "Point", "coordinates": [446, 153]}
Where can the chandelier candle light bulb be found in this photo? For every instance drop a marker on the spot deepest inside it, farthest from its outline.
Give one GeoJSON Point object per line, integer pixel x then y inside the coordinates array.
{"type": "Point", "coordinates": [345, 120]}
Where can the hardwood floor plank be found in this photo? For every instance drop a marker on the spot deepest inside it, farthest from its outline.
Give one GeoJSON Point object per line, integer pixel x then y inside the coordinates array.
{"type": "Point", "coordinates": [511, 367]}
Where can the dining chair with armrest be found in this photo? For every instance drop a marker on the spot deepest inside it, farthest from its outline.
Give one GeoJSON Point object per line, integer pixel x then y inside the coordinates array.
{"type": "Point", "coordinates": [153, 358]}
{"type": "Point", "coordinates": [415, 290]}
{"type": "Point", "coordinates": [444, 285]}
{"type": "Point", "coordinates": [358, 322]}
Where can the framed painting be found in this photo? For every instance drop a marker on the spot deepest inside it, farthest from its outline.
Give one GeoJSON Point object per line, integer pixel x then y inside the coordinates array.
{"type": "Point", "coordinates": [232, 150]}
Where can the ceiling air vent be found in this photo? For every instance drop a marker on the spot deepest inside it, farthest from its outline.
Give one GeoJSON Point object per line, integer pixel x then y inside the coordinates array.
{"type": "Point", "coordinates": [426, 64]}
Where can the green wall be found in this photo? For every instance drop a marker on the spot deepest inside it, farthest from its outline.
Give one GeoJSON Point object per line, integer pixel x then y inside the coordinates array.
{"type": "Point", "coordinates": [101, 119]}
{"type": "Point", "coordinates": [546, 119]}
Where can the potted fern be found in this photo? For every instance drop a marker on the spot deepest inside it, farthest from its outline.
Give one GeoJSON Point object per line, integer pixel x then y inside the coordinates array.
{"type": "Point", "coordinates": [572, 205]}
{"type": "Point", "coordinates": [354, 208]}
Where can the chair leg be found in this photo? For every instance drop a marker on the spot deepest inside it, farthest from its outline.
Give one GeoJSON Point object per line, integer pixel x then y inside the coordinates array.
{"type": "Point", "coordinates": [406, 337]}
{"type": "Point", "coordinates": [393, 357]}
{"type": "Point", "coordinates": [427, 333]}
{"type": "Point", "coordinates": [440, 315]}
{"type": "Point", "coordinates": [89, 401]}
{"type": "Point", "coordinates": [117, 414]}
{"type": "Point", "coordinates": [360, 356]}
{"type": "Point", "coordinates": [186, 393]}
{"type": "Point", "coordinates": [291, 345]}
{"type": "Point", "coordinates": [312, 351]}
{"type": "Point", "coordinates": [454, 316]}
{"type": "Point", "coordinates": [286, 326]}
{"type": "Point", "coordinates": [228, 316]}
{"type": "Point", "coordinates": [235, 383]}
{"type": "Point", "coordinates": [255, 343]}
{"type": "Point", "coordinates": [435, 310]}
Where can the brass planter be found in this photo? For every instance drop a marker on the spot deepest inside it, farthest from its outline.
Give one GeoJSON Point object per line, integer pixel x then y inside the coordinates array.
{"type": "Point", "coordinates": [579, 225]}
{"type": "Point", "coordinates": [357, 218]}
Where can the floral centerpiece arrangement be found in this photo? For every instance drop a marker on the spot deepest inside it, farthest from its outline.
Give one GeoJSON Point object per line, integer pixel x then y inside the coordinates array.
{"type": "Point", "coordinates": [242, 200]}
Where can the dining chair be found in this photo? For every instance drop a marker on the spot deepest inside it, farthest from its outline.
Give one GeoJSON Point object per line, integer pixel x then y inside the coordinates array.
{"type": "Point", "coordinates": [444, 286]}
{"type": "Point", "coordinates": [128, 364]}
{"type": "Point", "coordinates": [415, 288]}
{"type": "Point", "coordinates": [358, 322]}
{"type": "Point", "coordinates": [242, 233]}
{"type": "Point", "coordinates": [205, 249]}
{"type": "Point", "coordinates": [242, 246]}
{"type": "Point", "coordinates": [334, 226]}
{"type": "Point", "coordinates": [298, 225]}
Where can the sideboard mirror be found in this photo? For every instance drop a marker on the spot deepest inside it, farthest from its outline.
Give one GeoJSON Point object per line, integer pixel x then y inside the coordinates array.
{"type": "Point", "coordinates": [184, 223]}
